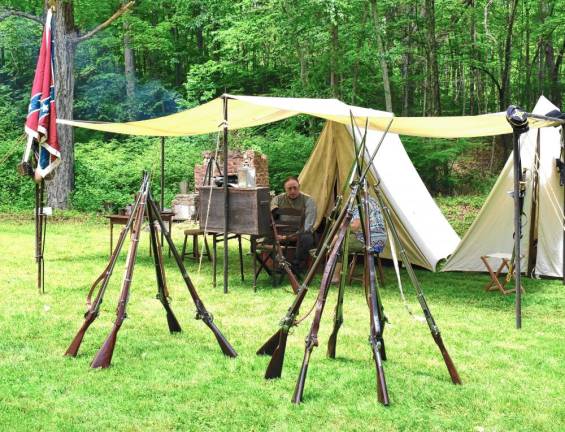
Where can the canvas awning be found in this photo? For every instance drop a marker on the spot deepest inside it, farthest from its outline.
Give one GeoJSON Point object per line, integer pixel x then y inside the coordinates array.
{"type": "Point", "coordinates": [248, 111]}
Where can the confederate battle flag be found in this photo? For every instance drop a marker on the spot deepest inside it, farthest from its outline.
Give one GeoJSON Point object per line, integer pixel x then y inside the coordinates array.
{"type": "Point", "coordinates": [41, 127]}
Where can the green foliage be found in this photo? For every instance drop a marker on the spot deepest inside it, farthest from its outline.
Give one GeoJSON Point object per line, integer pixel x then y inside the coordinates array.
{"type": "Point", "coordinates": [16, 192]}
{"type": "Point", "coordinates": [461, 210]}
{"type": "Point", "coordinates": [110, 171]}
{"type": "Point", "coordinates": [435, 160]}
{"type": "Point", "coordinates": [188, 52]}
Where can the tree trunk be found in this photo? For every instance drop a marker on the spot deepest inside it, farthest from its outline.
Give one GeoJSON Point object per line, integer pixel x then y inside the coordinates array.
{"type": "Point", "coordinates": [129, 68]}
{"type": "Point", "coordinates": [382, 59]}
{"type": "Point", "coordinates": [431, 50]}
{"type": "Point", "coordinates": [333, 59]}
{"type": "Point", "coordinates": [505, 77]}
{"type": "Point", "coordinates": [59, 189]}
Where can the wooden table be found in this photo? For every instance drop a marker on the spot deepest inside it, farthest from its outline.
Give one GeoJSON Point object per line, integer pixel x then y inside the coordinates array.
{"type": "Point", "coordinates": [117, 219]}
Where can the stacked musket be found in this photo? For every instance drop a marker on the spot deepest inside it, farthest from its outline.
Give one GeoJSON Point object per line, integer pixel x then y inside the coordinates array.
{"type": "Point", "coordinates": [144, 206]}
{"type": "Point", "coordinates": [334, 243]}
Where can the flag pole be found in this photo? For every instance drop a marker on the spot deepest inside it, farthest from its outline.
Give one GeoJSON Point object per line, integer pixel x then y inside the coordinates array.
{"type": "Point", "coordinates": [518, 120]}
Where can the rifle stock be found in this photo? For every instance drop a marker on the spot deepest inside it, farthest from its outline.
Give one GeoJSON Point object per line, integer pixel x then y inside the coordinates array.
{"type": "Point", "coordinates": [73, 348]}
{"type": "Point", "coordinates": [276, 345]}
{"type": "Point", "coordinates": [332, 341]}
{"type": "Point", "coordinates": [172, 322]}
{"type": "Point", "coordinates": [269, 347]}
{"type": "Point", "coordinates": [299, 389]}
{"type": "Point", "coordinates": [274, 369]}
{"type": "Point", "coordinates": [103, 358]}
{"type": "Point", "coordinates": [447, 359]}
{"type": "Point", "coordinates": [225, 346]}
{"type": "Point", "coordinates": [382, 391]}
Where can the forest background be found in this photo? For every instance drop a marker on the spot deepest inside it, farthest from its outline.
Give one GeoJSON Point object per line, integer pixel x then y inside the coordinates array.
{"type": "Point", "coordinates": [413, 58]}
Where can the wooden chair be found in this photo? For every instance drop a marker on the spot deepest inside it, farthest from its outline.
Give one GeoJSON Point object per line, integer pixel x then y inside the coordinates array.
{"type": "Point", "coordinates": [495, 282]}
{"type": "Point", "coordinates": [219, 238]}
{"type": "Point", "coordinates": [264, 252]}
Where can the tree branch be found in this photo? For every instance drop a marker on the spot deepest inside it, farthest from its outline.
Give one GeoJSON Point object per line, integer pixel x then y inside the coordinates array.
{"type": "Point", "coordinates": [105, 24]}
{"type": "Point", "coordinates": [6, 13]}
{"type": "Point", "coordinates": [492, 77]}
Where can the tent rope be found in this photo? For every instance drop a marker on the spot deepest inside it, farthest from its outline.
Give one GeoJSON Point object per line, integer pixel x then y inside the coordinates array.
{"type": "Point", "coordinates": [217, 150]}
{"type": "Point", "coordinates": [418, 318]}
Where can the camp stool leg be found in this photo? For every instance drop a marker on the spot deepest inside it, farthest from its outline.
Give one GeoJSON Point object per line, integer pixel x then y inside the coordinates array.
{"type": "Point", "coordinates": [214, 259]}
{"type": "Point", "coordinates": [254, 257]}
{"type": "Point", "coordinates": [207, 253]}
{"type": "Point", "coordinates": [380, 271]}
{"type": "Point", "coordinates": [183, 253]}
{"type": "Point", "coordinates": [506, 263]}
{"type": "Point", "coordinates": [195, 248]}
{"type": "Point", "coordinates": [494, 283]}
{"type": "Point", "coordinates": [240, 257]}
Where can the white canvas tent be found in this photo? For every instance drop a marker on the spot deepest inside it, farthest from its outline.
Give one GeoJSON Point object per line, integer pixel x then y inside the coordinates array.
{"type": "Point", "coordinates": [425, 233]}
{"type": "Point", "coordinates": [492, 231]}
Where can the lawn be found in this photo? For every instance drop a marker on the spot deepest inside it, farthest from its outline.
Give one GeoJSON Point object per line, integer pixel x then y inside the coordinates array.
{"type": "Point", "coordinates": [512, 380]}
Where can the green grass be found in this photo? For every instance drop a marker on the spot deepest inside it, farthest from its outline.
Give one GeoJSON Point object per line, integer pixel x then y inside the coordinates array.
{"type": "Point", "coordinates": [512, 380]}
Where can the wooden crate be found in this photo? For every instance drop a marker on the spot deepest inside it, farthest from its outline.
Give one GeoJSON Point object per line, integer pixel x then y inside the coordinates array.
{"type": "Point", "coordinates": [248, 210]}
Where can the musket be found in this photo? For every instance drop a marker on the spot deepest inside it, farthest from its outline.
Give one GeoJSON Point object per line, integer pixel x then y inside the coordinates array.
{"type": "Point", "coordinates": [339, 199]}
{"type": "Point", "coordinates": [104, 356]}
{"type": "Point", "coordinates": [375, 307]}
{"type": "Point", "coordinates": [275, 346]}
{"type": "Point", "coordinates": [338, 317]}
{"type": "Point", "coordinates": [201, 312]}
{"type": "Point", "coordinates": [162, 291]}
{"type": "Point", "coordinates": [312, 337]}
{"type": "Point", "coordinates": [434, 329]}
{"type": "Point", "coordinates": [281, 260]}
{"type": "Point", "coordinates": [104, 278]}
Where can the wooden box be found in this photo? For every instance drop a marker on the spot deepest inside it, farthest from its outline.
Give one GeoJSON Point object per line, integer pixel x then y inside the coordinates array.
{"type": "Point", "coordinates": [248, 210]}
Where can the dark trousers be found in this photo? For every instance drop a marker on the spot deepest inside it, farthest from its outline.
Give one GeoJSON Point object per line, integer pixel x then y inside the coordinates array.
{"type": "Point", "coordinates": [304, 244]}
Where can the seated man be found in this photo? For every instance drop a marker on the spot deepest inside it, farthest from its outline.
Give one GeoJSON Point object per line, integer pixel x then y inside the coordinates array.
{"type": "Point", "coordinates": [356, 239]}
{"type": "Point", "coordinates": [376, 228]}
{"type": "Point", "coordinates": [293, 198]}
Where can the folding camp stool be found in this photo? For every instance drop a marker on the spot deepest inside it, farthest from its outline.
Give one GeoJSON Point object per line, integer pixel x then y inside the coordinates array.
{"type": "Point", "coordinates": [495, 283]}
{"type": "Point", "coordinates": [195, 254]}
{"type": "Point", "coordinates": [354, 257]}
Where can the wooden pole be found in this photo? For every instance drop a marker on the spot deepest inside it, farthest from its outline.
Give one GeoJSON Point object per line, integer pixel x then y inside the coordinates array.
{"type": "Point", "coordinates": [517, 227]}
{"type": "Point", "coordinates": [226, 197]}
{"type": "Point", "coordinates": [561, 176]}
{"type": "Point", "coordinates": [162, 174]}
{"type": "Point", "coordinates": [162, 179]}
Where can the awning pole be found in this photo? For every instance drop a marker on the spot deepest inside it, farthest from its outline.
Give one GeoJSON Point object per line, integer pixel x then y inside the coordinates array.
{"type": "Point", "coordinates": [226, 197]}
{"type": "Point", "coordinates": [162, 174]}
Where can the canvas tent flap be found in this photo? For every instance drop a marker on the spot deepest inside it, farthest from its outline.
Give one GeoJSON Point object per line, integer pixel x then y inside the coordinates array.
{"type": "Point", "coordinates": [424, 231]}
{"type": "Point", "coordinates": [493, 229]}
{"type": "Point", "coordinates": [248, 111]}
